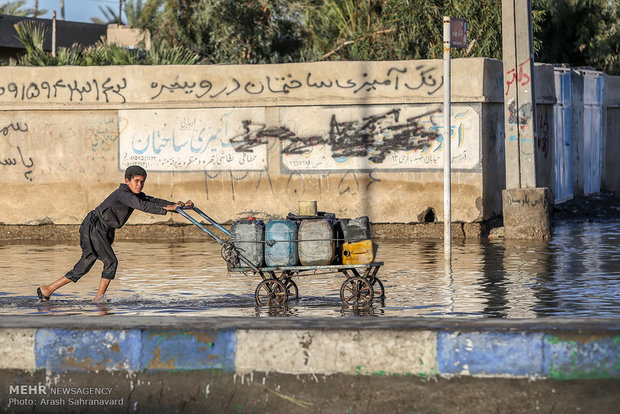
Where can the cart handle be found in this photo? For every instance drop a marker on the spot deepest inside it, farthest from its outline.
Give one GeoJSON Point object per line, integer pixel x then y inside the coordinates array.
{"type": "Point", "coordinates": [209, 232]}
{"type": "Point", "coordinates": [210, 220]}
{"type": "Point", "coordinates": [197, 223]}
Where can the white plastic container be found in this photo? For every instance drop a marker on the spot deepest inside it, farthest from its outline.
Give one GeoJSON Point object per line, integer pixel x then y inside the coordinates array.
{"type": "Point", "coordinates": [316, 242]}
{"type": "Point", "coordinates": [248, 237]}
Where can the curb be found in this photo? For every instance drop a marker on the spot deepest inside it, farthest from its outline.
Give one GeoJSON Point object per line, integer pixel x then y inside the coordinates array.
{"type": "Point", "coordinates": [411, 347]}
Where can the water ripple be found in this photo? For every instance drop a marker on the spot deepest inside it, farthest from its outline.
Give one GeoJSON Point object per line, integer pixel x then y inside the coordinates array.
{"type": "Point", "coordinates": [577, 273]}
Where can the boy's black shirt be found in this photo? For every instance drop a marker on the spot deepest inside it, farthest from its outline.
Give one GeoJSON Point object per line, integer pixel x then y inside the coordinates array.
{"type": "Point", "coordinates": [118, 206]}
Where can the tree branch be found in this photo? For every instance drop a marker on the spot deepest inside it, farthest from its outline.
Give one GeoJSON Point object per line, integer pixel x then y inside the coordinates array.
{"type": "Point", "coordinates": [350, 42]}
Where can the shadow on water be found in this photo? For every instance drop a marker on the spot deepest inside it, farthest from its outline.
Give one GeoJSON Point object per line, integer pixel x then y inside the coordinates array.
{"type": "Point", "coordinates": [576, 274]}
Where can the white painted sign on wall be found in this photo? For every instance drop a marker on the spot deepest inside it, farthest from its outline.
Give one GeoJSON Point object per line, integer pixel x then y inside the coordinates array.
{"type": "Point", "coordinates": [189, 139]}
{"type": "Point", "coordinates": [317, 138]}
{"type": "Point", "coordinates": [394, 137]}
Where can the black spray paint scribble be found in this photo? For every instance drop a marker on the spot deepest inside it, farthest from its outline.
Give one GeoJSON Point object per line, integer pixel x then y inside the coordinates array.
{"type": "Point", "coordinates": [373, 137]}
{"type": "Point", "coordinates": [258, 134]}
{"type": "Point", "coordinates": [522, 115]}
{"type": "Point", "coordinates": [419, 77]}
{"type": "Point", "coordinates": [378, 135]}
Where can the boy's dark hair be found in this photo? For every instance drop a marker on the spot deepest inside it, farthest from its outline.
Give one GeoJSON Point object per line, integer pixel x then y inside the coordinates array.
{"type": "Point", "coordinates": [134, 170]}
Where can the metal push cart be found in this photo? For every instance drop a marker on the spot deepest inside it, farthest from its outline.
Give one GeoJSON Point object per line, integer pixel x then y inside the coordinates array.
{"type": "Point", "coordinates": [358, 290]}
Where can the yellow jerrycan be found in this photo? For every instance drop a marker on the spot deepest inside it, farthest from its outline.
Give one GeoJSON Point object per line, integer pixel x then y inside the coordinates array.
{"type": "Point", "coordinates": [362, 252]}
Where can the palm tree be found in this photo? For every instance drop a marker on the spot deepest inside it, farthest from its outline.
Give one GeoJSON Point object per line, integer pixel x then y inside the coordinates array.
{"type": "Point", "coordinates": [15, 8]}
{"type": "Point", "coordinates": [32, 36]}
{"type": "Point", "coordinates": [134, 10]}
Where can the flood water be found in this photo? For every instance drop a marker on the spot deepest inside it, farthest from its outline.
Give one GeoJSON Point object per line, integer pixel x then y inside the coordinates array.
{"type": "Point", "coordinates": [576, 274]}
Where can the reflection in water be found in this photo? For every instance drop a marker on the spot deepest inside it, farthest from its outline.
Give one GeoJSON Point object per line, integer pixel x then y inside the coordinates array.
{"type": "Point", "coordinates": [577, 273]}
{"type": "Point", "coordinates": [494, 282]}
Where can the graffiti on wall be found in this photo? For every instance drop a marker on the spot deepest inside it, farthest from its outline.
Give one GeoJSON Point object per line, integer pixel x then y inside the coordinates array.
{"type": "Point", "coordinates": [93, 90]}
{"type": "Point", "coordinates": [337, 139]}
{"type": "Point", "coordinates": [218, 85]}
{"type": "Point", "coordinates": [382, 138]}
{"type": "Point", "coordinates": [518, 76]}
{"type": "Point", "coordinates": [421, 77]}
{"type": "Point", "coordinates": [44, 145]}
{"type": "Point", "coordinates": [12, 154]}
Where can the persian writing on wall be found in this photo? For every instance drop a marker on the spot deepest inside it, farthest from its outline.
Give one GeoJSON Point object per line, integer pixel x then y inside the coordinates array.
{"type": "Point", "coordinates": [352, 138]}
{"type": "Point", "coordinates": [252, 84]}
{"type": "Point", "coordinates": [188, 140]}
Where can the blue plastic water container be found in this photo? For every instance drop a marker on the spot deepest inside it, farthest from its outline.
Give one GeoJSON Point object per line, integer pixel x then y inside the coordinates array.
{"type": "Point", "coordinates": [281, 243]}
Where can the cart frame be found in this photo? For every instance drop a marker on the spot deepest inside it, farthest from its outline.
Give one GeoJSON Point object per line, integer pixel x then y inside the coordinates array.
{"type": "Point", "coordinates": [277, 285]}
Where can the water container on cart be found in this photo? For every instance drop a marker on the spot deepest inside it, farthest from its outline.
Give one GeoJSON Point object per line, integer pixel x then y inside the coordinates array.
{"type": "Point", "coordinates": [247, 237]}
{"type": "Point", "coordinates": [362, 252]}
{"type": "Point", "coordinates": [281, 243]}
{"type": "Point", "coordinates": [316, 244]}
{"type": "Point", "coordinates": [356, 230]}
{"type": "Point", "coordinates": [358, 248]}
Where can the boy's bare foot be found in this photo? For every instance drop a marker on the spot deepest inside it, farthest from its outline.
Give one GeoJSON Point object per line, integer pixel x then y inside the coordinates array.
{"type": "Point", "coordinates": [99, 299]}
{"type": "Point", "coordinates": [43, 294]}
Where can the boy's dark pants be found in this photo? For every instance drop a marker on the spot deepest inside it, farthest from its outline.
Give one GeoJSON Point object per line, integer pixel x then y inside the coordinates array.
{"type": "Point", "coordinates": [96, 242]}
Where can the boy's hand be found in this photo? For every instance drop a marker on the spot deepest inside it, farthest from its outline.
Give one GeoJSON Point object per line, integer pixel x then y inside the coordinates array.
{"type": "Point", "coordinates": [173, 207]}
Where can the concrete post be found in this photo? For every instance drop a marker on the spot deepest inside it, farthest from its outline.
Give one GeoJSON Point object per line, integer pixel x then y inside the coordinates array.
{"type": "Point", "coordinates": [519, 121]}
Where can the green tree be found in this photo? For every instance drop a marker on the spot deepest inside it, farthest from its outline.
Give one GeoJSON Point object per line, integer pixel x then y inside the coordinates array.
{"type": "Point", "coordinates": [605, 51]}
{"type": "Point", "coordinates": [32, 36]}
{"type": "Point", "coordinates": [346, 30]}
{"type": "Point", "coordinates": [135, 11]}
{"type": "Point", "coordinates": [15, 8]}
{"type": "Point", "coordinates": [581, 33]}
{"type": "Point", "coordinates": [225, 31]}
{"type": "Point", "coordinates": [401, 29]}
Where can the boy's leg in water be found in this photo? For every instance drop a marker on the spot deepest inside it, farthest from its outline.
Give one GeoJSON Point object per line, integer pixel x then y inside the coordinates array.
{"type": "Point", "coordinates": [106, 254]}
{"type": "Point", "coordinates": [103, 286]}
{"type": "Point", "coordinates": [47, 290]}
{"type": "Point", "coordinates": [83, 265]}
{"type": "Point", "coordinates": [81, 268]}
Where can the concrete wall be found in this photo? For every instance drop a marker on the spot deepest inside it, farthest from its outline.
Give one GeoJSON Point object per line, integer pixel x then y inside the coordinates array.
{"type": "Point", "coordinates": [362, 138]}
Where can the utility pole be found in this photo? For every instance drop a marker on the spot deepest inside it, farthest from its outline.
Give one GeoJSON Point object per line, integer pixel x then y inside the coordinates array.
{"type": "Point", "coordinates": [62, 9]}
{"type": "Point", "coordinates": [447, 153]}
{"type": "Point", "coordinates": [120, 10]}
{"type": "Point", "coordinates": [454, 35]}
{"type": "Point", "coordinates": [525, 207]}
{"type": "Point", "coordinates": [54, 35]}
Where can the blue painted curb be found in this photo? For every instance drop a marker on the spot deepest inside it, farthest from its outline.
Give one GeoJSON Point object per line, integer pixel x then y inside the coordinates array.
{"type": "Point", "coordinates": [133, 350]}
{"type": "Point", "coordinates": [87, 350]}
{"type": "Point", "coordinates": [569, 355]}
{"type": "Point", "coordinates": [582, 357]}
{"type": "Point", "coordinates": [490, 353]}
{"type": "Point", "coordinates": [531, 354]}
{"type": "Point", "coordinates": [183, 349]}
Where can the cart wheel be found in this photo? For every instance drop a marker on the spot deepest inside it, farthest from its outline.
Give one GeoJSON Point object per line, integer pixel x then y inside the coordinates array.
{"type": "Point", "coordinates": [291, 288]}
{"type": "Point", "coordinates": [271, 292]}
{"type": "Point", "coordinates": [356, 292]}
{"type": "Point", "coordinates": [377, 287]}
